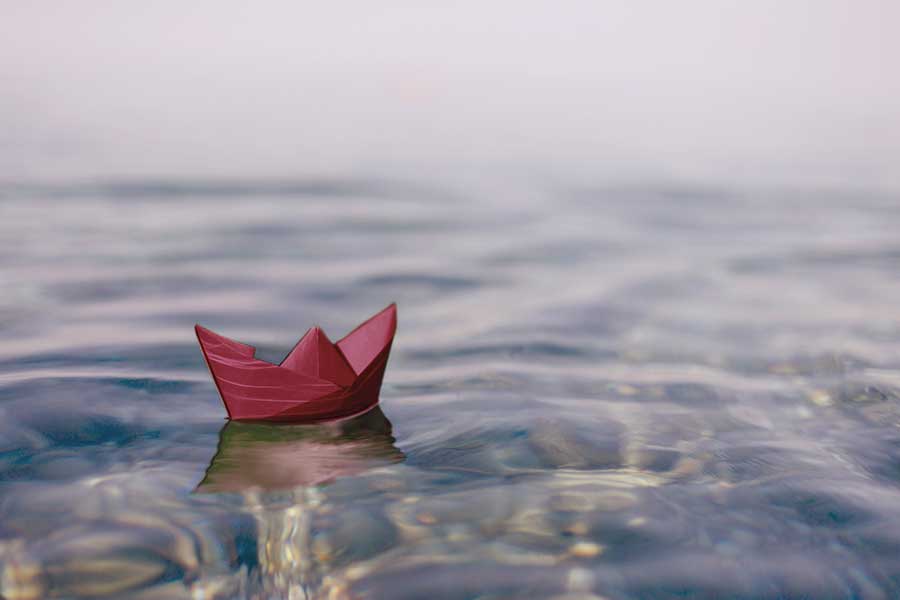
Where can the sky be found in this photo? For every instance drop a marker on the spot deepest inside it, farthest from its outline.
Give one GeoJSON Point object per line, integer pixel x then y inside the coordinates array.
{"type": "Point", "coordinates": [790, 92]}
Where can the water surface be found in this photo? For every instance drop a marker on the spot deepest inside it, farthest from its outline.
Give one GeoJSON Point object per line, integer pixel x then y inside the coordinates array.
{"type": "Point", "coordinates": [617, 391]}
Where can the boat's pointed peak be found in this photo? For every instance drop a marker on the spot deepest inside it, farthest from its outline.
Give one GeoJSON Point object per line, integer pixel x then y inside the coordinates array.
{"type": "Point", "coordinates": [201, 330]}
{"type": "Point", "coordinates": [364, 343]}
{"type": "Point", "coordinates": [313, 336]}
{"type": "Point", "coordinates": [208, 337]}
{"type": "Point", "coordinates": [315, 355]}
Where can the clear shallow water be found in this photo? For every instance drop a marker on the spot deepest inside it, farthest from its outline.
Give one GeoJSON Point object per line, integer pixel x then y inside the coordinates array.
{"type": "Point", "coordinates": [611, 392]}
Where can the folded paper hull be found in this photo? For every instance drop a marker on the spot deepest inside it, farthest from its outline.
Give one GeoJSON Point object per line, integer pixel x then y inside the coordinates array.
{"type": "Point", "coordinates": [275, 403]}
{"type": "Point", "coordinates": [317, 381]}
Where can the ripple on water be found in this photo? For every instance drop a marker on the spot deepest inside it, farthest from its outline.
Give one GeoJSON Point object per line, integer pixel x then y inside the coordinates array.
{"type": "Point", "coordinates": [610, 393]}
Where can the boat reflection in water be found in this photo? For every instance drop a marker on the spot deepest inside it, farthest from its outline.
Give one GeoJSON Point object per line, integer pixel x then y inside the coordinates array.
{"type": "Point", "coordinates": [273, 456]}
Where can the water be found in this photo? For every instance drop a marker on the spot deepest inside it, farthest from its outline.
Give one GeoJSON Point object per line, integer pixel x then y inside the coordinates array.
{"type": "Point", "coordinates": [596, 391]}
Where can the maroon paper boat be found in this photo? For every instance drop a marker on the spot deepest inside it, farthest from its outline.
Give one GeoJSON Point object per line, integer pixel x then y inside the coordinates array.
{"type": "Point", "coordinates": [316, 381]}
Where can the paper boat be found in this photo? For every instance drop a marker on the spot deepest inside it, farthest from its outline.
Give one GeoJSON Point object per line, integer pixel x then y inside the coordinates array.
{"type": "Point", "coordinates": [275, 456]}
{"type": "Point", "coordinates": [316, 381]}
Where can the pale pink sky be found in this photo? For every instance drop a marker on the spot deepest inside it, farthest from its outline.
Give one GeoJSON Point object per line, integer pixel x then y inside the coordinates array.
{"type": "Point", "coordinates": [771, 91]}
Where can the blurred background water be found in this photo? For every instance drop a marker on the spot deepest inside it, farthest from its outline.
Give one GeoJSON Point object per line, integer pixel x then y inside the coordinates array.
{"type": "Point", "coordinates": [646, 261]}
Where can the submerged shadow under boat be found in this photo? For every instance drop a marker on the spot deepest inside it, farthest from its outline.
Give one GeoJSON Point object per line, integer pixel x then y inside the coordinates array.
{"type": "Point", "coordinates": [274, 456]}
